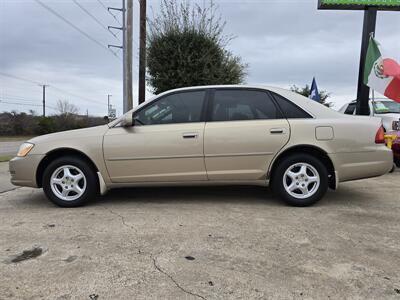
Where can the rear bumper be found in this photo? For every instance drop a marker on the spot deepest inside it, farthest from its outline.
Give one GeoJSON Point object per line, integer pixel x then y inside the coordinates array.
{"type": "Point", "coordinates": [23, 170]}
{"type": "Point", "coordinates": [359, 165]}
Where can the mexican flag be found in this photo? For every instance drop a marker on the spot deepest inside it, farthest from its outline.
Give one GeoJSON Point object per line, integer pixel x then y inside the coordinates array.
{"type": "Point", "coordinates": [382, 73]}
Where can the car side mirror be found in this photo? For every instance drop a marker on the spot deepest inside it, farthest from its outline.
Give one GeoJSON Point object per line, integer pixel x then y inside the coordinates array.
{"type": "Point", "coordinates": [127, 121]}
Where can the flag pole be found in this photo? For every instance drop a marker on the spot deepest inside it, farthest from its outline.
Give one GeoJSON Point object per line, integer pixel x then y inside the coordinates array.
{"type": "Point", "coordinates": [372, 36]}
{"type": "Point", "coordinates": [373, 102]}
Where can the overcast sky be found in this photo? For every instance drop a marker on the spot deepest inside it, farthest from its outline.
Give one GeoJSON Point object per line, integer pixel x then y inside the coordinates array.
{"type": "Point", "coordinates": [284, 42]}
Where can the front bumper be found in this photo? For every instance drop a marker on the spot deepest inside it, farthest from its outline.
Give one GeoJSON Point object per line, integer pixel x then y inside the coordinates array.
{"type": "Point", "coordinates": [23, 170]}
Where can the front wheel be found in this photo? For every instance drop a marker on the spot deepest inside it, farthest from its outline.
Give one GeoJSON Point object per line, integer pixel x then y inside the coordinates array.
{"type": "Point", "coordinates": [300, 180]}
{"type": "Point", "coordinates": [69, 181]}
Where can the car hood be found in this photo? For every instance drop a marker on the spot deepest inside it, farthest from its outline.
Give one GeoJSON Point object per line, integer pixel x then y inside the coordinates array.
{"type": "Point", "coordinates": [71, 134]}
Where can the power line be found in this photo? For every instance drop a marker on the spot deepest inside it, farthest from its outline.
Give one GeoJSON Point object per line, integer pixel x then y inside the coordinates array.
{"type": "Point", "coordinates": [102, 4]}
{"type": "Point", "coordinates": [74, 26]}
{"type": "Point", "coordinates": [75, 95]}
{"type": "Point", "coordinates": [52, 86]}
{"type": "Point", "coordinates": [17, 98]}
{"type": "Point", "coordinates": [106, 8]}
{"type": "Point", "coordinates": [25, 104]}
{"type": "Point", "coordinates": [95, 19]}
{"type": "Point", "coordinates": [19, 78]}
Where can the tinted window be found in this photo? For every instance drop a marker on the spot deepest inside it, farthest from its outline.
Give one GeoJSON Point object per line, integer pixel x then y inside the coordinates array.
{"type": "Point", "coordinates": [350, 109]}
{"type": "Point", "coordinates": [182, 107]}
{"type": "Point", "coordinates": [235, 105]}
{"type": "Point", "coordinates": [386, 107]}
{"type": "Point", "coordinates": [291, 110]}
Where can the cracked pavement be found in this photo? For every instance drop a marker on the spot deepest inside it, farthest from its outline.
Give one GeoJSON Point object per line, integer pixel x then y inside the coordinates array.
{"type": "Point", "coordinates": [203, 243]}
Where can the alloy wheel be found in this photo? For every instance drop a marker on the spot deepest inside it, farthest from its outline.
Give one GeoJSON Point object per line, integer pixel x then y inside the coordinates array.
{"type": "Point", "coordinates": [301, 180]}
{"type": "Point", "coordinates": [68, 183]}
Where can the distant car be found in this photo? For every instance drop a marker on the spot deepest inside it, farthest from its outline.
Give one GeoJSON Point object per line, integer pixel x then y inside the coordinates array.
{"type": "Point", "coordinates": [207, 136]}
{"type": "Point", "coordinates": [386, 109]}
{"type": "Point", "coordinates": [396, 148]}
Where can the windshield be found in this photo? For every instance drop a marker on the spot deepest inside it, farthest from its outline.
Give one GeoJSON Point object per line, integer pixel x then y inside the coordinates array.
{"type": "Point", "coordinates": [386, 107]}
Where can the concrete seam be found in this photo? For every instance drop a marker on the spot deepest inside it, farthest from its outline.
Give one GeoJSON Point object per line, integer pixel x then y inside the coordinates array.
{"type": "Point", "coordinates": [10, 190]}
{"type": "Point", "coordinates": [174, 281]}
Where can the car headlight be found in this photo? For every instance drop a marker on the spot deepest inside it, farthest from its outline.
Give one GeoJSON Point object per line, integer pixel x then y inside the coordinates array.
{"type": "Point", "coordinates": [24, 149]}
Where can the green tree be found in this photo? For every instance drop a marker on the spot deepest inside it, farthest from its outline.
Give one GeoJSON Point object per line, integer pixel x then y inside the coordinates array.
{"type": "Point", "coordinates": [46, 125]}
{"type": "Point", "coordinates": [306, 91]}
{"type": "Point", "coordinates": [187, 47]}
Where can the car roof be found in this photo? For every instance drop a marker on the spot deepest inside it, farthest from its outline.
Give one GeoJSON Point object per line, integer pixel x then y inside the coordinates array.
{"type": "Point", "coordinates": [312, 107]}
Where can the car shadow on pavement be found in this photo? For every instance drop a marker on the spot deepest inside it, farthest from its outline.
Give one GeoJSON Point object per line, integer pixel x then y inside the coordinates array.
{"type": "Point", "coordinates": [220, 194]}
{"type": "Point", "coordinates": [200, 195]}
{"type": "Point", "coordinates": [223, 194]}
{"type": "Point", "coordinates": [346, 196]}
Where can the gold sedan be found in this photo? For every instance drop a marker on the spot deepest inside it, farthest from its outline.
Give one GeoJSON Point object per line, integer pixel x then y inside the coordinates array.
{"type": "Point", "coordinates": [207, 136]}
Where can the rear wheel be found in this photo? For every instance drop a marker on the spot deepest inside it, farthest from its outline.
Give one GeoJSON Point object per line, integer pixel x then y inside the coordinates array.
{"type": "Point", "coordinates": [300, 180]}
{"type": "Point", "coordinates": [69, 181]}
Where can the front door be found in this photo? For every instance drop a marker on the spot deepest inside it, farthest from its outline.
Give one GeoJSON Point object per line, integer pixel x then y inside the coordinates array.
{"type": "Point", "coordinates": [164, 145]}
{"type": "Point", "coordinates": [244, 133]}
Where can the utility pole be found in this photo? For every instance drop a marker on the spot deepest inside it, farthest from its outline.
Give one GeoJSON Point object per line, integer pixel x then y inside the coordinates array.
{"type": "Point", "coordinates": [142, 52]}
{"type": "Point", "coordinates": [129, 56]}
{"type": "Point", "coordinates": [127, 35]}
{"type": "Point", "coordinates": [44, 98]}
{"type": "Point", "coordinates": [108, 105]}
{"type": "Point", "coordinates": [125, 68]}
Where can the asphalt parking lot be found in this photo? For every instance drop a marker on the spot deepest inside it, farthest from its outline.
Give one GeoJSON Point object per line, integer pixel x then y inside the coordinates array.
{"type": "Point", "coordinates": [203, 243]}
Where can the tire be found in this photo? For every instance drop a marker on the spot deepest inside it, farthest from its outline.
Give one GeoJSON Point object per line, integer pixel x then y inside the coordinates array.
{"type": "Point", "coordinates": [79, 183]}
{"type": "Point", "coordinates": [397, 163]}
{"type": "Point", "coordinates": [309, 184]}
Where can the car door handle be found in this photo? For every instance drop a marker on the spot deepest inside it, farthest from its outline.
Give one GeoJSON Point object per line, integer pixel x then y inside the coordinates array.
{"type": "Point", "coordinates": [190, 135]}
{"type": "Point", "coordinates": [277, 131]}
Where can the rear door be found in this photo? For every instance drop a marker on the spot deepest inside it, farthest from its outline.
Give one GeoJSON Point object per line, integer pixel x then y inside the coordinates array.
{"type": "Point", "coordinates": [243, 132]}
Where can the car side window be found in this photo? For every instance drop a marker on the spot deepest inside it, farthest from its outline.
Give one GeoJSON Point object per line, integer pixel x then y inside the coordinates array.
{"type": "Point", "coordinates": [350, 109]}
{"type": "Point", "coordinates": [291, 110]}
{"type": "Point", "coordinates": [183, 107]}
{"type": "Point", "coordinates": [237, 105]}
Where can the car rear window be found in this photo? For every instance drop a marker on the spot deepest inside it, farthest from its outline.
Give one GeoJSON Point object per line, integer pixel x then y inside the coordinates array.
{"type": "Point", "coordinates": [350, 109]}
{"type": "Point", "coordinates": [291, 110]}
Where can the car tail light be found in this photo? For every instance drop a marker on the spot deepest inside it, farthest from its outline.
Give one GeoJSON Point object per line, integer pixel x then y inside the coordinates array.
{"type": "Point", "coordinates": [380, 136]}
